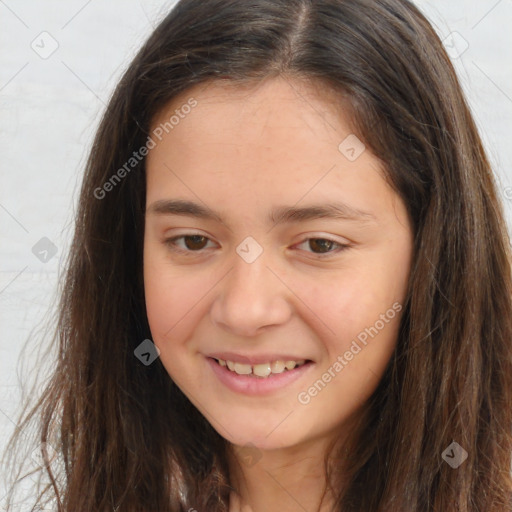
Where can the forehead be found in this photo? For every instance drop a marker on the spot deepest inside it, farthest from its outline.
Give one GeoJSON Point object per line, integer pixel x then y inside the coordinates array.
{"type": "Point", "coordinates": [245, 147]}
{"type": "Point", "coordinates": [277, 129]}
{"type": "Point", "coordinates": [274, 96]}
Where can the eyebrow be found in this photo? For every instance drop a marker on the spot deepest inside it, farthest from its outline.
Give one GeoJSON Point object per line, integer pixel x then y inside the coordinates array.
{"type": "Point", "coordinates": [278, 215]}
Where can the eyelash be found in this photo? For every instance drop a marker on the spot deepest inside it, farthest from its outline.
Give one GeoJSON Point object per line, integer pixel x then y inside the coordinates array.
{"type": "Point", "coordinates": [171, 243]}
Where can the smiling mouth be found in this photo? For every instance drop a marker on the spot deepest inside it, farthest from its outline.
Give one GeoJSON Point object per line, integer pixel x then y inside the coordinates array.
{"type": "Point", "coordinates": [263, 370]}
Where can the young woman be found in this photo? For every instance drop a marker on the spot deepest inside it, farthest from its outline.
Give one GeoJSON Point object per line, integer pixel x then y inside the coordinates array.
{"type": "Point", "coordinates": [290, 283]}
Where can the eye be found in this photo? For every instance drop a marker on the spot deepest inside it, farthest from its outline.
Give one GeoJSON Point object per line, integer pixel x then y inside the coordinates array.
{"type": "Point", "coordinates": [324, 246]}
{"type": "Point", "coordinates": [193, 243]}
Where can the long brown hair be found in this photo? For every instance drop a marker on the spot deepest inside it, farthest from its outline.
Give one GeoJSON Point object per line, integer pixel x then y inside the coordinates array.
{"type": "Point", "coordinates": [122, 446]}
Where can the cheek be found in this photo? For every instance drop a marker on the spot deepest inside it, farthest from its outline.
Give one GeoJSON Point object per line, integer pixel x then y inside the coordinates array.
{"type": "Point", "coordinates": [354, 302]}
{"type": "Point", "coordinates": [171, 294]}
{"type": "Point", "coordinates": [171, 305]}
{"type": "Point", "coordinates": [177, 301]}
{"type": "Point", "coordinates": [362, 311]}
{"type": "Point", "coordinates": [365, 322]}
{"type": "Point", "coordinates": [171, 302]}
{"type": "Point", "coordinates": [161, 291]}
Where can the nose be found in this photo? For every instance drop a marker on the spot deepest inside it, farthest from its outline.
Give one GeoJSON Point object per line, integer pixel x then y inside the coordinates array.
{"type": "Point", "coordinates": [250, 298]}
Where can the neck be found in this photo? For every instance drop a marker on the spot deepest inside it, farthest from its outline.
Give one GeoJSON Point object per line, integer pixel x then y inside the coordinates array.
{"type": "Point", "coordinates": [292, 478]}
{"type": "Point", "coordinates": [284, 480]}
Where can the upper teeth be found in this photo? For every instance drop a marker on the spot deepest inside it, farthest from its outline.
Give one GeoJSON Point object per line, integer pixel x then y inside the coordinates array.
{"type": "Point", "coordinates": [261, 370]}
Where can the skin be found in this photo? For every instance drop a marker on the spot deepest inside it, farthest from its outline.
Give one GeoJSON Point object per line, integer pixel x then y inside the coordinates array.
{"type": "Point", "coordinates": [242, 151]}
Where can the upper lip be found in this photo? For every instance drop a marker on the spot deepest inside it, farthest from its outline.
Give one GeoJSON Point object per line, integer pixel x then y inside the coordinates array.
{"type": "Point", "coordinates": [254, 359]}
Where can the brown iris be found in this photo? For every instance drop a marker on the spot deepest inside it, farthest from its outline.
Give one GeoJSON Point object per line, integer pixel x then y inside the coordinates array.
{"type": "Point", "coordinates": [196, 241]}
{"type": "Point", "coordinates": [322, 243]}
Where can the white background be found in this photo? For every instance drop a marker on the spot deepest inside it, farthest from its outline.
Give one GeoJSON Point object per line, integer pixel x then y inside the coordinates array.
{"type": "Point", "coordinates": [50, 107]}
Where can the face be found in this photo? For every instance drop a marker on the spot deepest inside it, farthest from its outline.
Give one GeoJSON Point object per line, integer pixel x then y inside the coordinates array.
{"type": "Point", "coordinates": [272, 244]}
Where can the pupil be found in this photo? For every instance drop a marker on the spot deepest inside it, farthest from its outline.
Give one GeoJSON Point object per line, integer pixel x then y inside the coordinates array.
{"type": "Point", "coordinates": [196, 239]}
{"type": "Point", "coordinates": [321, 242]}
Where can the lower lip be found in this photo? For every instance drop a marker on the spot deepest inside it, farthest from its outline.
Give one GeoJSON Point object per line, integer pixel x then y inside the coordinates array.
{"type": "Point", "coordinates": [251, 385]}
